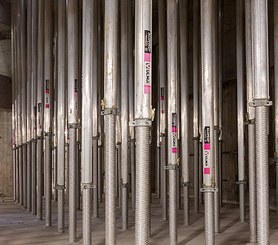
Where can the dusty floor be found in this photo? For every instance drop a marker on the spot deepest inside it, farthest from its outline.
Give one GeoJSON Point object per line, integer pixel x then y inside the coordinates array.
{"type": "Point", "coordinates": [19, 227]}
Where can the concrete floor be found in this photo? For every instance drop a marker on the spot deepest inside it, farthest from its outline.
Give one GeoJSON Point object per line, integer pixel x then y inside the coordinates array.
{"type": "Point", "coordinates": [19, 227]}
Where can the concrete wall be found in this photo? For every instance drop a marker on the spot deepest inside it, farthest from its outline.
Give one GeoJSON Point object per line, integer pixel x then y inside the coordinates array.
{"type": "Point", "coordinates": [6, 166]}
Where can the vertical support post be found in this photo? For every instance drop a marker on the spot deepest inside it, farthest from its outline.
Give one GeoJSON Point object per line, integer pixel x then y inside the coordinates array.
{"type": "Point", "coordinates": [216, 115]}
{"type": "Point", "coordinates": [143, 115]}
{"type": "Point", "coordinates": [220, 94]}
{"type": "Point", "coordinates": [110, 111]}
{"type": "Point", "coordinates": [95, 104]}
{"type": "Point", "coordinates": [88, 70]}
{"type": "Point", "coordinates": [183, 20]}
{"type": "Point", "coordinates": [172, 68]}
{"type": "Point", "coordinates": [251, 124]}
{"type": "Point", "coordinates": [275, 13]}
{"type": "Point", "coordinates": [240, 105]}
{"type": "Point", "coordinates": [73, 95]}
{"type": "Point", "coordinates": [124, 111]}
{"type": "Point", "coordinates": [48, 108]}
{"type": "Point", "coordinates": [61, 102]}
{"type": "Point", "coordinates": [23, 63]}
{"type": "Point", "coordinates": [207, 39]}
{"type": "Point", "coordinates": [259, 13]}
{"type": "Point", "coordinates": [40, 89]}
{"type": "Point", "coordinates": [29, 105]}
{"type": "Point", "coordinates": [162, 104]}
{"type": "Point", "coordinates": [196, 42]}
{"type": "Point", "coordinates": [34, 81]}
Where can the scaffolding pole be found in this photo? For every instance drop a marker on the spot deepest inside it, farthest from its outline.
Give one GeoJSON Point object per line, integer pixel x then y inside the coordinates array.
{"type": "Point", "coordinates": [73, 99]}
{"type": "Point", "coordinates": [110, 110]}
{"type": "Point", "coordinates": [207, 39]}
{"type": "Point", "coordinates": [142, 121]}
{"type": "Point", "coordinates": [183, 17]}
{"type": "Point", "coordinates": [260, 67]}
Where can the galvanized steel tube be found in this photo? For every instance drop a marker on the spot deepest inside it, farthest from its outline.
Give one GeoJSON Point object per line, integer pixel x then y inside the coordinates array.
{"type": "Point", "coordinates": [275, 12]}
{"type": "Point", "coordinates": [61, 102]}
{"type": "Point", "coordinates": [48, 107]}
{"type": "Point", "coordinates": [110, 111]}
{"type": "Point", "coordinates": [259, 13]}
{"type": "Point", "coordinates": [196, 43]}
{"type": "Point", "coordinates": [95, 107]}
{"type": "Point", "coordinates": [184, 70]}
{"type": "Point", "coordinates": [172, 88]}
{"type": "Point", "coordinates": [251, 126]}
{"type": "Point", "coordinates": [207, 39]}
{"type": "Point", "coordinates": [88, 46]}
{"type": "Point", "coordinates": [220, 96]}
{"type": "Point", "coordinates": [142, 121]}
{"type": "Point", "coordinates": [34, 43]}
{"type": "Point", "coordinates": [124, 111]}
{"type": "Point", "coordinates": [73, 97]}
{"type": "Point", "coordinates": [29, 104]}
{"type": "Point", "coordinates": [240, 105]}
{"type": "Point", "coordinates": [40, 78]}
{"type": "Point", "coordinates": [162, 104]}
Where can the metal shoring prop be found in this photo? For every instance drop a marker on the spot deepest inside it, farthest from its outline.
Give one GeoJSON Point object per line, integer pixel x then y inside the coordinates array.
{"type": "Point", "coordinates": [29, 105]}
{"type": "Point", "coordinates": [73, 94]}
{"type": "Point", "coordinates": [131, 97]}
{"type": "Point", "coordinates": [18, 105]}
{"type": "Point", "coordinates": [216, 115]}
{"type": "Point", "coordinates": [20, 141]}
{"type": "Point", "coordinates": [240, 105]}
{"type": "Point", "coordinates": [88, 69]}
{"type": "Point", "coordinates": [143, 116]}
{"type": "Point", "coordinates": [124, 111]}
{"type": "Point", "coordinates": [172, 69]}
{"type": "Point", "coordinates": [220, 97]}
{"type": "Point", "coordinates": [34, 44]}
{"type": "Point", "coordinates": [162, 104]}
{"type": "Point", "coordinates": [260, 68]}
{"type": "Point", "coordinates": [95, 106]}
{"type": "Point", "coordinates": [100, 74]}
{"type": "Point", "coordinates": [109, 111]}
{"type": "Point", "coordinates": [13, 53]}
{"type": "Point", "coordinates": [61, 102]}
{"type": "Point", "coordinates": [251, 125]}
{"type": "Point", "coordinates": [40, 89]}
{"type": "Point", "coordinates": [196, 138]}
{"type": "Point", "coordinates": [207, 39]}
{"type": "Point", "coordinates": [275, 13]}
{"type": "Point", "coordinates": [48, 108]}
{"type": "Point", "coordinates": [23, 46]}
{"type": "Point", "coordinates": [183, 19]}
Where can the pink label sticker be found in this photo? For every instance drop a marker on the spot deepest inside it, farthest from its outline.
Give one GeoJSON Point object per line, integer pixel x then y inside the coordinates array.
{"type": "Point", "coordinates": [147, 57]}
{"type": "Point", "coordinates": [174, 150]}
{"type": "Point", "coordinates": [206, 170]}
{"type": "Point", "coordinates": [174, 129]}
{"type": "Point", "coordinates": [207, 146]}
{"type": "Point", "coordinates": [47, 106]}
{"type": "Point", "coordinates": [147, 89]}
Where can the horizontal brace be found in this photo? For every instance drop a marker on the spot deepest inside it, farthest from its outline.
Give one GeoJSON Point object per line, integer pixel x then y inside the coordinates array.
{"type": "Point", "coordinates": [260, 102]}
{"type": "Point", "coordinates": [141, 122]}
